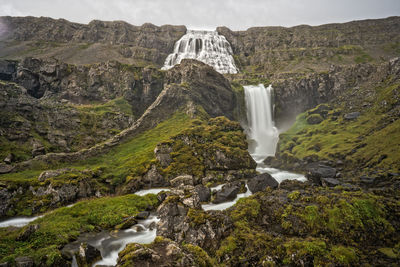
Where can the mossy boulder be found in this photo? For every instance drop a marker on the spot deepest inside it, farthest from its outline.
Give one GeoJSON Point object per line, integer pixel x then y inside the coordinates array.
{"type": "Point", "coordinates": [314, 119]}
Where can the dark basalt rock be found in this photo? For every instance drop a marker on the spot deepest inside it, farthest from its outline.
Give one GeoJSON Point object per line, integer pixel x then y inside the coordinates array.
{"type": "Point", "coordinates": [203, 192]}
{"type": "Point", "coordinates": [316, 171]}
{"type": "Point", "coordinates": [7, 70]}
{"type": "Point", "coordinates": [227, 193]}
{"type": "Point", "coordinates": [352, 115]}
{"type": "Point", "coordinates": [87, 255]}
{"type": "Point", "coordinates": [330, 182]}
{"type": "Point", "coordinates": [261, 182]}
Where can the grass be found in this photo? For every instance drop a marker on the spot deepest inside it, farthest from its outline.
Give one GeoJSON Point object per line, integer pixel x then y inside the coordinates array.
{"type": "Point", "coordinates": [362, 141]}
{"type": "Point", "coordinates": [126, 158]}
{"type": "Point", "coordinates": [66, 224]}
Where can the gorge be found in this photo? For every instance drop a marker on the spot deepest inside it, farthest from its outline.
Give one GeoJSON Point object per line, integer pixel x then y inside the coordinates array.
{"type": "Point", "coordinates": [142, 145]}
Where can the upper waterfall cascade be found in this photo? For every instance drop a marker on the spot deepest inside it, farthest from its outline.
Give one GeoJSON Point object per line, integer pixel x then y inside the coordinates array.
{"type": "Point", "coordinates": [206, 46]}
{"type": "Point", "coordinates": [261, 129]}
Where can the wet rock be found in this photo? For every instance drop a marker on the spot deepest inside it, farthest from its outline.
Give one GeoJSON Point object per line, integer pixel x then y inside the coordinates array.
{"type": "Point", "coordinates": [228, 192]}
{"type": "Point", "coordinates": [352, 115]}
{"type": "Point", "coordinates": [87, 255]}
{"type": "Point", "coordinates": [316, 171]}
{"type": "Point", "coordinates": [330, 182]}
{"type": "Point", "coordinates": [182, 180]}
{"type": "Point", "coordinates": [127, 223]}
{"type": "Point", "coordinates": [143, 215]}
{"type": "Point", "coordinates": [27, 232]}
{"type": "Point", "coordinates": [203, 192]}
{"type": "Point", "coordinates": [261, 182]}
{"type": "Point", "coordinates": [24, 261]}
{"type": "Point", "coordinates": [5, 168]}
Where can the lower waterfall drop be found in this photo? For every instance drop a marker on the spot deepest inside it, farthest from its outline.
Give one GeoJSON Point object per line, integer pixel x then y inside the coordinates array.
{"type": "Point", "coordinates": [261, 132]}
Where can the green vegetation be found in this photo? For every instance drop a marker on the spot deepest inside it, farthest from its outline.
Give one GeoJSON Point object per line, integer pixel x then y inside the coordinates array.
{"type": "Point", "coordinates": [65, 225]}
{"type": "Point", "coordinates": [206, 141]}
{"type": "Point", "coordinates": [318, 227]}
{"type": "Point", "coordinates": [357, 142]}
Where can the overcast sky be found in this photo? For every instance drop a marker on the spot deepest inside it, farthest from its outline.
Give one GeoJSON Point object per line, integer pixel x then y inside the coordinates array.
{"type": "Point", "coordinates": [206, 14]}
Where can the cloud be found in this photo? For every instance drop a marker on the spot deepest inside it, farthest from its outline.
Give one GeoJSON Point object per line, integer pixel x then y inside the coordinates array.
{"type": "Point", "coordinates": [206, 14]}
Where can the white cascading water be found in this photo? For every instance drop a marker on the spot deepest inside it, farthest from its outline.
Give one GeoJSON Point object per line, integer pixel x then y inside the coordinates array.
{"type": "Point", "coordinates": [261, 129]}
{"type": "Point", "coordinates": [206, 46]}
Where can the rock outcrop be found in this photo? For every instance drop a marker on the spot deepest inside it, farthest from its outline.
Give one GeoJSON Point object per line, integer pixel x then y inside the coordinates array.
{"type": "Point", "coordinates": [97, 41]}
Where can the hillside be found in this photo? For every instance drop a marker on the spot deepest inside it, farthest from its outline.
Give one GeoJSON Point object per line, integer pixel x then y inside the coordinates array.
{"type": "Point", "coordinates": [88, 120]}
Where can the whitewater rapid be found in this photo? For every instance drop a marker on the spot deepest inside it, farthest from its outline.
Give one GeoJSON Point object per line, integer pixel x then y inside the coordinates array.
{"type": "Point", "coordinates": [206, 46]}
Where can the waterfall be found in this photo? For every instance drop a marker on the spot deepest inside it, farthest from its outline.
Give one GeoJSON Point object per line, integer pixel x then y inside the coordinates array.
{"type": "Point", "coordinates": [206, 46]}
{"type": "Point", "coordinates": [261, 132]}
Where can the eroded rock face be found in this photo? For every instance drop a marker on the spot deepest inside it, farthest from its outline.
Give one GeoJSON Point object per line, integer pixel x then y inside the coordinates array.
{"type": "Point", "coordinates": [120, 39]}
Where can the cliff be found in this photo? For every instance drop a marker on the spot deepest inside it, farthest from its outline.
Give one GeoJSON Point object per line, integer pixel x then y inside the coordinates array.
{"type": "Point", "coordinates": [87, 43]}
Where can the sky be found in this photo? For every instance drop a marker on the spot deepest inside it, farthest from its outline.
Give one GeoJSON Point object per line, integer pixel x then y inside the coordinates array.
{"type": "Point", "coordinates": [206, 14]}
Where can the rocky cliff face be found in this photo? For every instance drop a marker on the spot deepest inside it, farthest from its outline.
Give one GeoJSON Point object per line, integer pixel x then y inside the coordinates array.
{"type": "Point", "coordinates": [60, 107]}
{"type": "Point", "coordinates": [97, 41]}
{"type": "Point", "coordinates": [301, 48]}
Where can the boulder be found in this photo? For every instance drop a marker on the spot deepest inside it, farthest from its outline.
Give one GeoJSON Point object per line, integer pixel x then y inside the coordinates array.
{"type": "Point", "coordinates": [352, 115]}
{"type": "Point", "coordinates": [5, 168]}
{"type": "Point", "coordinates": [314, 119]}
{"type": "Point", "coordinates": [316, 171]}
{"type": "Point", "coordinates": [153, 178]}
{"type": "Point", "coordinates": [87, 255]}
{"type": "Point", "coordinates": [227, 193]}
{"type": "Point", "coordinates": [330, 182]}
{"type": "Point", "coordinates": [9, 159]}
{"type": "Point", "coordinates": [203, 192]}
{"type": "Point", "coordinates": [7, 70]}
{"type": "Point", "coordinates": [24, 261]}
{"type": "Point", "coordinates": [261, 182]}
{"type": "Point", "coordinates": [182, 180]}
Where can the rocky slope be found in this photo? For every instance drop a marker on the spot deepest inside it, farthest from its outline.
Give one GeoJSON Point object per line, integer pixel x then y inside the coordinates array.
{"type": "Point", "coordinates": [95, 42]}
{"type": "Point", "coordinates": [269, 50]}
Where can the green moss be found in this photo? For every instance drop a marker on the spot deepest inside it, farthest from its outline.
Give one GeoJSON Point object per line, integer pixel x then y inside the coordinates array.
{"type": "Point", "coordinates": [245, 209]}
{"type": "Point", "coordinates": [389, 252]}
{"type": "Point", "coordinates": [197, 217]}
{"type": "Point", "coordinates": [343, 255]}
{"type": "Point", "coordinates": [66, 224]}
{"type": "Point", "coordinates": [296, 250]}
{"type": "Point", "coordinates": [294, 195]}
{"type": "Point", "coordinates": [201, 257]}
